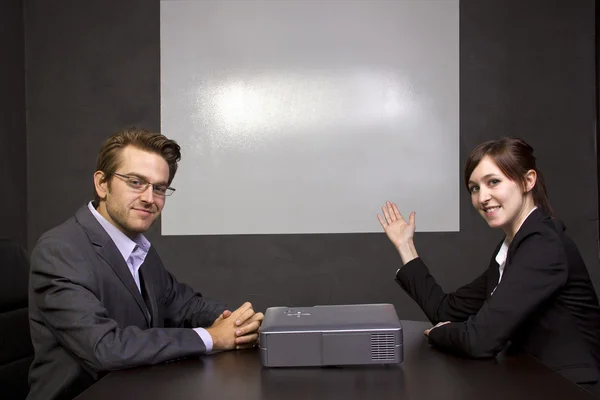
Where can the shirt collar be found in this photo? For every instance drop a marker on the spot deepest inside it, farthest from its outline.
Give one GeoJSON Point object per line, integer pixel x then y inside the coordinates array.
{"type": "Point", "coordinates": [125, 245]}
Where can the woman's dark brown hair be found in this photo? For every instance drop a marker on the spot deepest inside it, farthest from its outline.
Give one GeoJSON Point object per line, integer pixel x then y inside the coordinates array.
{"type": "Point", "coordinates": [514, 157]}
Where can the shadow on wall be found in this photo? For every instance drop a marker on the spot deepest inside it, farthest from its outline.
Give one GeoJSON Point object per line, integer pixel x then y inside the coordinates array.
{"type": "Point", "coordinates": [16, 351]}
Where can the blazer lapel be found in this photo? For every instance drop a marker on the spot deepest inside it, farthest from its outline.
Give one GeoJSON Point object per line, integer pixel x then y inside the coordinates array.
{"type": "Point", "coordinates": [118, 264]}
{"type": "Point", "coordinates": [108, 251]}
{"type": "Point", "coordinates": [536, 216]}
{"type": "Point", "coordinates": [494, 273]}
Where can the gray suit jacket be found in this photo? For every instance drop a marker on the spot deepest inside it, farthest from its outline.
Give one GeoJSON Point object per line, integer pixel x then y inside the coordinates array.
{"type": "Point", "coordinates": [87, 316]}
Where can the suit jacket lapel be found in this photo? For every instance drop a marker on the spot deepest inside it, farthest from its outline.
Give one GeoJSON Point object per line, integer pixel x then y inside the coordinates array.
{"type": "Point", "coordinates": [494, 273]}
{"type": "Point", "coordinates": [536, 216]}
{"type": "Point", "coordinates": [107, 249]}
{"type": "Point", "coordinates": [117, 263]}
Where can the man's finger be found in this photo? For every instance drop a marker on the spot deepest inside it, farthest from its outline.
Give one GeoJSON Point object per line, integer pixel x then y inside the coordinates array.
{"type": "Point", "coordinates": [247, 305]}
{"type": "Point", "coordinates": [257, 317]}
{"type": "Point", "coordinates": [251, 338]}
{"type": "Point", "coordinates": [246, 346]}
{"type": "Point", "coordinates": [245, 316]}
{"type": "Point", "coordinates": [241, 309]}
{"type": "Point", "coordinates": [248, 328]}
{"type": "Point", "coordinates": [223, 315]}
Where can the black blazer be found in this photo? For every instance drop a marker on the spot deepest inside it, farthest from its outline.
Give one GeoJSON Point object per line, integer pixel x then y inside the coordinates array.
{"type": "Point", "coordinates": [545, 304]}
{"type": "Point", "coordinates": [87, 316]}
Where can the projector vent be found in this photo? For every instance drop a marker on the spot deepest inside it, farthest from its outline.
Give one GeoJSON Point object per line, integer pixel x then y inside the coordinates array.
{"type": "Point", "coordinates": [383, 347]}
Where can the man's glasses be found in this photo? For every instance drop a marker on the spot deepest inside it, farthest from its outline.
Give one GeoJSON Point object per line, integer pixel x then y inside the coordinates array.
{"type": "Point", "coordinates": [140, 185]}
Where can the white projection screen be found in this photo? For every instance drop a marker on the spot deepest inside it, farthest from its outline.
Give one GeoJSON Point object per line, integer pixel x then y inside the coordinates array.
{"type": "Point", "coordinates": [306, 116]}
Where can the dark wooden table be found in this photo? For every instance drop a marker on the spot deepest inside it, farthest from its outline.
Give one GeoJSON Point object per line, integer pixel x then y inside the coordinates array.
{"type": "Point", "coordinates": [425, 374]}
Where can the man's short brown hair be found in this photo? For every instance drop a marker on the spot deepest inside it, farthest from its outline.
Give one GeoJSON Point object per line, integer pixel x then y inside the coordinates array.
{"type": "Point", "coordinates": [109, 156]}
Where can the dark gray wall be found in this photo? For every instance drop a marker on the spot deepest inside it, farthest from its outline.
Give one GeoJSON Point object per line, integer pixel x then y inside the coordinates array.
{"type": "Point", "coordinates": [527, 69]}
{"type": "Point", "coordinates": [13, 173]}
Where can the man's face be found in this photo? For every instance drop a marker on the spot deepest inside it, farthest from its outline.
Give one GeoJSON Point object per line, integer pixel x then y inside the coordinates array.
{"type": "Point", "coordinates": [133, 211]}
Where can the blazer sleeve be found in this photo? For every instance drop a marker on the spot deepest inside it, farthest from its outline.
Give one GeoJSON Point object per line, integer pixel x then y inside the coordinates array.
{"type": "Point", "coordinates": [537, 271]}
{"type": "Point", "coordinates": [184, 307]}
{"type": "Point", "coordinates": [63, 293]}
{"type": "Point", "coordinates": [415, 279]}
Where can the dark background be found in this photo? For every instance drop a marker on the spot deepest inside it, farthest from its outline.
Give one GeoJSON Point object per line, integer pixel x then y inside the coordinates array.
{"type": "Point", "coordinates": [75, 71]}
{"type": "Point", "coordinates": [13, 136]}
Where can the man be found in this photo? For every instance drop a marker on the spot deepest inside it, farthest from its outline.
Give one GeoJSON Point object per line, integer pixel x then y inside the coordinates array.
{"type": "Point", "coordinates": [100, 298]}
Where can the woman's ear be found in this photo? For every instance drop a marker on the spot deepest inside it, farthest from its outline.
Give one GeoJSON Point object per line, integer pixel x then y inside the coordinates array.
{"type": "Point", "coordinates": [530, 180]}
{"type": "Point", "coordinates": [101, 184]}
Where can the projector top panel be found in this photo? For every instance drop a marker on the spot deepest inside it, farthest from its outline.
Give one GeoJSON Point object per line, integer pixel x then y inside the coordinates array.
{"type": "Point", "coordinates": [333, 318]}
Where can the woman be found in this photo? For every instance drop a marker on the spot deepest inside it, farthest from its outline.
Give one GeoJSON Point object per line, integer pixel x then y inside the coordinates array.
{"type": "Point", "coordinates": [536, 293]}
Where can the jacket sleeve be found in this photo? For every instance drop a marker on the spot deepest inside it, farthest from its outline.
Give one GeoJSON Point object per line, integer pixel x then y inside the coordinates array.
{"type": "Point", "coordinates": [62, 291]}
{"type": "Point", "coordinates": [537, 271]}
{"type": "Point", "coordinates": [438, 306]}
{"type": "Point", "coordinates": [187, 308]}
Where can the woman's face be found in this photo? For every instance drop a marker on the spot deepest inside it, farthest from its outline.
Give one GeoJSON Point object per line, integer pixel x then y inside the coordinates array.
{"type": "Point", "coordinates": [502, 202]}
